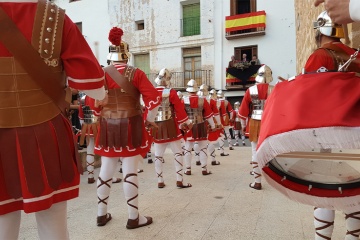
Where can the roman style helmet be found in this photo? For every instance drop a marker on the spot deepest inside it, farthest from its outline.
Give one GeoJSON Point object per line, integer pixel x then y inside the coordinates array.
{"type": "Point", "coordinates": [192, 86]}
{"type": "Point", "coordinates": [220, 94]}
{"type": "Point", "coordinates": [203, 90]}
{"type": "Point", "coordinates": [264, 74]}
{"type": "Point", "coordinates": [163, 77]}
{"type": "Point", "coordinates": [326, 27]}
{"type": "Point", "coordinates": [236, 105]}
{"type": "Point", "coordinates": [213, 93]}
{"type": "Point", "coordinates": [119, 50]}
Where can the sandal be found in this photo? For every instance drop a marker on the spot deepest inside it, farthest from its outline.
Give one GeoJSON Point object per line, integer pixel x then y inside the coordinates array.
{"type": "Point", "coordinates": [134, 223]}
{"type": "Point", "coordinates": [256, 186]}
{"type": "Point", "coordinates": [198, 163]}
{"type": "Point", "coordinates": [91, 180]}
{"type": "Point", "coordinates": [215, 163]}
{"type": "Point", "coordinates": [224, 154]}
{"type": "Point", "coordinates": [161, 185]}
{"type": "Point", "coordinates": [205, 172]}
{"type": "Point", "coordinates": [181, 185]}
{"type": "Point", "coordinates": [103, 220]}
{"type": "Point", "coordinates": [187, 171]}
{"type": "Point", "coordinates": [117, 180]}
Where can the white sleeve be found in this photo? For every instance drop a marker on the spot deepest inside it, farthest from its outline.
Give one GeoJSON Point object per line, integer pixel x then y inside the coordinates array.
{"type": "Point", "coordinates": [151, 115]}
{"type": "Point", "coordinates": [211, 122]}
{"type": "Point", "coordinates": [354, 10]}
{"type": "Point", "coordinates": [98, 94]}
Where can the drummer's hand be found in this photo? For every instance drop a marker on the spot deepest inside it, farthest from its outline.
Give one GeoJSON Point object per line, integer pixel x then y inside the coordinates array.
{"type": "Point", "coordinates": [243, 130]}
{"type": "Point", "coordinates": [318, 2]}
{"type": "Point", "coordinates": [151, 125]}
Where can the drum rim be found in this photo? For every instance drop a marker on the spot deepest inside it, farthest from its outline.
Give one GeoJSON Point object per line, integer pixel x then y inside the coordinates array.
{"type": "Point", "coordinates": [327, 186]}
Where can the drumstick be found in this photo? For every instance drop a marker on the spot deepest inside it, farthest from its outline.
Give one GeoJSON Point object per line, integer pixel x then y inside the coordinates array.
{"type": "Point", "coordinates": [281, 78]}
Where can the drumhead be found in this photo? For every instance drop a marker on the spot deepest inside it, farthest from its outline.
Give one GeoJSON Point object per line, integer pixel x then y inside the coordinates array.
{"type": "Point", "coordinates": [320, 170]}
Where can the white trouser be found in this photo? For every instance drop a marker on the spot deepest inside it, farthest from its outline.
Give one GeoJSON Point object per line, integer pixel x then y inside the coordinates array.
{"type": "Point", "coordinates": [203, 154]}
{"type": "Point", "coordinates": [51, 223]}
{"type": "Point", "coordinates": [175, 147]}
{"type": "Point", "coordinates": [255, 166]}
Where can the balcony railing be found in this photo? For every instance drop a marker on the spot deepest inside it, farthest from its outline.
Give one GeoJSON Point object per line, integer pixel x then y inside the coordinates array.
{"type": "Point", "coordinates": [245, 25]}
{"type": "Point", "coordinates": [190, 26]}
{"type": "Point", "coordinates": [179, 80]}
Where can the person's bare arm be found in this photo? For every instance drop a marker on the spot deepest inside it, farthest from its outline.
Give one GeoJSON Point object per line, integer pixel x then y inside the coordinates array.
{"type": "Point", "coordinates": [339, 11]}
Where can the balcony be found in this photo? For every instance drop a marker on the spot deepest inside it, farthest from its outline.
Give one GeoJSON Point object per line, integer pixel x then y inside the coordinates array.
{"type": "Point", "coordinates": [245, 25]}
{"type": "Point", "coordinates": [179, 80]}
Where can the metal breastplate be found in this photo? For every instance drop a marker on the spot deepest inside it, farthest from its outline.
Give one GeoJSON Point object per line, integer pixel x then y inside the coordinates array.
{"type": "Point", "coordinates": [165, 110]}
{"type": "Point", "coordinates": [237, 119]}
{"type": "Point", "coordinates": [195, 114]}
{"type": "Point", "coordinates": [23, 103]}
{"type": "Point", "coordinates": [258, 104]}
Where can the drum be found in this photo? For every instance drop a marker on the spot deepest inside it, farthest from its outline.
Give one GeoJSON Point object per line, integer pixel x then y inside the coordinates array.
{"type": "Point", "coordinates": [323, 178]}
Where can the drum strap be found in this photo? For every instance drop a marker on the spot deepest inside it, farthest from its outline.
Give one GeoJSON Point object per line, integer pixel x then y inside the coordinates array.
{"type": "Point", "coordinates": [31, 61]}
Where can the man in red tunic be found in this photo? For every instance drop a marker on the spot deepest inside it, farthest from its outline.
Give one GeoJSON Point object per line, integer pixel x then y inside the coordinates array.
{"type": "Point", "coordinates": [255, 96]}
{"type": "Point", "coordinates": [38, 157]}
{"type": "Point", "coordinates": [122, 132]}
{"type": "Point", "coordinates": [226, 115]}
{"type": "Point", "coordinates": [330, 56]}
{"type": "Point", "coordinates": [198, 111]}
{"type": "Point", "coordinates": [317, 133]}
{"type": "Point", "coordinates": [170, 118]}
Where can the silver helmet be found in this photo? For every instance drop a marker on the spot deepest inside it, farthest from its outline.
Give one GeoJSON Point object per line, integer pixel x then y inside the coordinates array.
{"type": "Point", "coordinates": [236, 105]}
{"type": "Point", "coordinates": [220, 94]}
{"type": "Point", "coordinates": [264, 74]}
{"type": "Point", "coordinates": [163, 77]}
{"type": "Point", "coordinates": [192, 86]}
{"type": "Point", "coordinates": [213, 93]}
{"type": "Point", "coordinates": [118, 50]}
{"type": "Point", "coordinates": [326, 27]}
{"type": "Point", "coordinates": [203, 90]}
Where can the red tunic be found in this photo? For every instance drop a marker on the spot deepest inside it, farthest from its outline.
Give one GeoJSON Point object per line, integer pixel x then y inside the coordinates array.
{"type": "Point", "coordinates": [213, 136]}
{"type": "Point", "coordinates": [180, 113]}
{"type": "Point", "coordinates": [84, 73]}
{"type": "Point", "coordinates": [245, 108]}
{"type": "Point", "coordinates": [225, 109]}
{"type": "Point", "coordinates": [151, 100]}
{"type": "Point", "coordinates": [207, 113]}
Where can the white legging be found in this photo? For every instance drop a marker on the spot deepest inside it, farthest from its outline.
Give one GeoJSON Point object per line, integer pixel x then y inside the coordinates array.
{"type": "Point", "coordinates": [51, 223]}
{"type": "Point", "coordinates": [256, 170]}
{"type": "Point", "coordinates": [203, 154]}
{"type": "Point", "coordinates": [175, 147]}
{"type": "Point", "coordinates": [130, 183]}
{"type": "Point", "coordinates": [90, 159]}
{"type": "Point", "coordinates": [324, 224]}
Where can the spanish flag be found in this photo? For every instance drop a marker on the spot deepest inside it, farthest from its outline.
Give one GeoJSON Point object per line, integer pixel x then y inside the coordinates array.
{"type": "Point", "coordinates": [245, 21]}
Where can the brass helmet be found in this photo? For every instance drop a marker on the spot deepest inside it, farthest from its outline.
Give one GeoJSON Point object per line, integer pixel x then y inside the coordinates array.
{"type": "Point", "coordinates": [192, 86]}
{"type": "Point", "coordinates": [236, 105]}
{"type": "Point", "coordinates": [213, 93]}
{"type": "Point", "coordinates": [220, 94]}
{"type": "Point", "coordinates": [326, 27]}
{"type": "Point", "coordinates": [264, 74]}
{"type": "Point", "coordinates": [203, 90]}
{"type": "Point", "coordinates": [180, 95]}
{"type": "Point", "coordinates": [163, 77]}
{"type": "Point", "coordinates": [119, 50]}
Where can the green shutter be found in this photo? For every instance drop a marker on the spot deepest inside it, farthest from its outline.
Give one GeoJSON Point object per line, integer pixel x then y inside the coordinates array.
{"type": "Point", "coordinates": [191, 19]}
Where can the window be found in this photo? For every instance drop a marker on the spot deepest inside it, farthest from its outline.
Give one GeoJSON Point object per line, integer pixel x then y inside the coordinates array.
{"type": "Point", "coordinates": [140, 25]}
{"type": "Point", "coordinates": [249, 51]}
{"type": "Point", "coordinates": [142, 61]}
{"type": "Point", "coordinates": [191, 20]}
{"type": "Point", "coordinates": [242, 6]}
{"type": "Point", "coordinates": [192, 65]}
